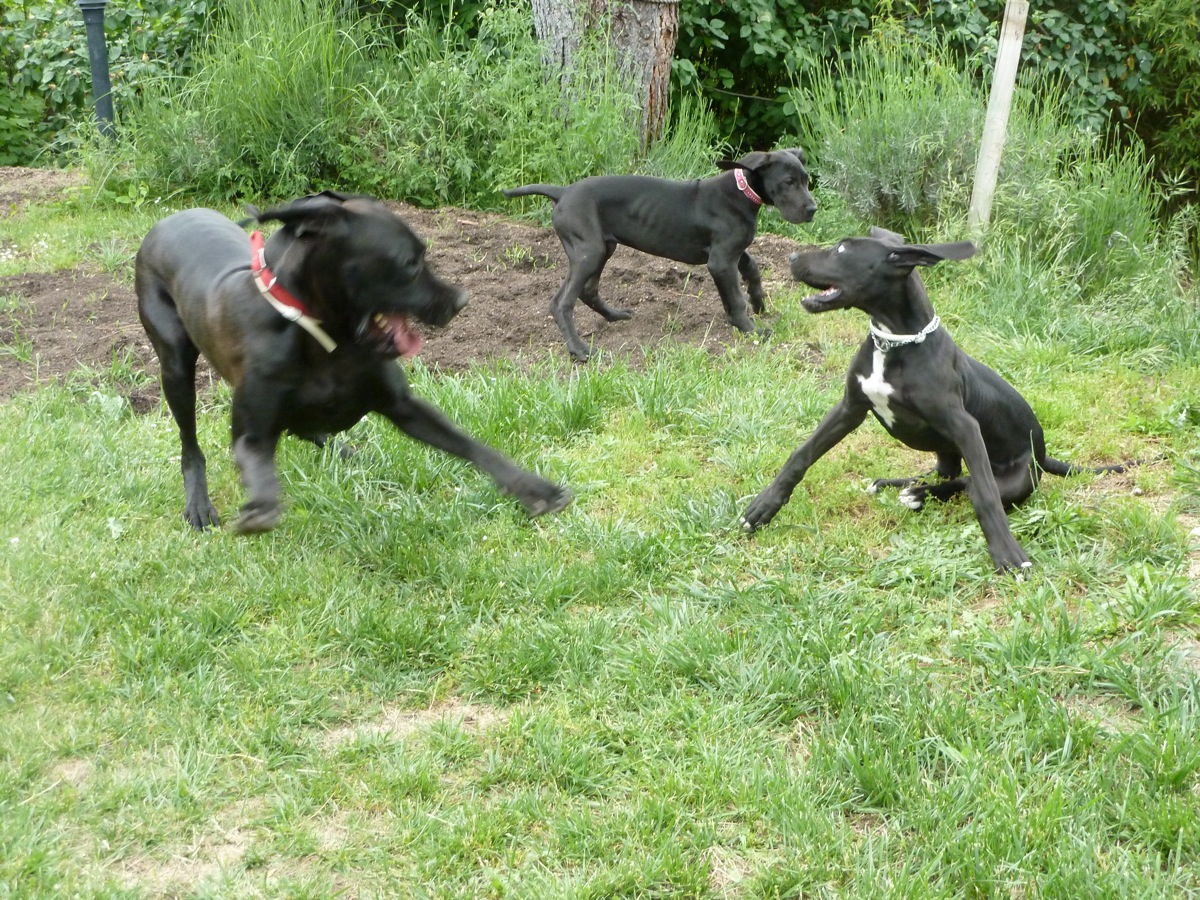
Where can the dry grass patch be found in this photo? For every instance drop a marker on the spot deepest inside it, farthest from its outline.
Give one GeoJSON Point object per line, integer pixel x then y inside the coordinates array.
{"type": "Point", "coordinates": [398, 724]}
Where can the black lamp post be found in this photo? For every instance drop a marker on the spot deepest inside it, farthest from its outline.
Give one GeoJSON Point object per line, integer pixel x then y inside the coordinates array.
{"type": "Point", "coordinates": [93, 20]}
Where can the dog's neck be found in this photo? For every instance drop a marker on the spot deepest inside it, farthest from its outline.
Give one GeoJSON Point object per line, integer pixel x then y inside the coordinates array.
{"type": "Point", "coordinates": [743, 182]}
{"type": "Point", "coordinates": [276, 291]}
{"type": "Point", "coordinates": [910, 323]}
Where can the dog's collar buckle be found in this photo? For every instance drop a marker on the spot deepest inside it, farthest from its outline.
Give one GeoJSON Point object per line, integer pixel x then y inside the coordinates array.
{"type": "Point", "coordinates": [284, 301]}
{"type": "Point", "coordinates": [885, 340]}
{"type": "Point", "coordinates": [739, 176]}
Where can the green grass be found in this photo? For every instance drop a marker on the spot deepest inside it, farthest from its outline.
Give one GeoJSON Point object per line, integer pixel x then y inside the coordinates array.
{"type": "Point", "coordinates": [409, 689]}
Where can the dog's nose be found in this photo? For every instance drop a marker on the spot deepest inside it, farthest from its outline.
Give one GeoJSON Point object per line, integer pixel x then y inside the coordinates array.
{"type": "Point", "coordinates": [793, 257]}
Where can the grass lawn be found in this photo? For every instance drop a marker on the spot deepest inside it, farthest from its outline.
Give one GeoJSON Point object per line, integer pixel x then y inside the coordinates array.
{"type": "Point", "coordinates": [408, 689]}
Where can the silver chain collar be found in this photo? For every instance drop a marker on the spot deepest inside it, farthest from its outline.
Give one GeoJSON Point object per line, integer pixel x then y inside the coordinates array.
{"type": "Point", "coordinates": [885, 340]}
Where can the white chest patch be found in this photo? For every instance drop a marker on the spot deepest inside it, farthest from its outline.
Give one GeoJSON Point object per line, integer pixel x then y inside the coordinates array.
{"type": "Point", "coordinates": [877, 390]}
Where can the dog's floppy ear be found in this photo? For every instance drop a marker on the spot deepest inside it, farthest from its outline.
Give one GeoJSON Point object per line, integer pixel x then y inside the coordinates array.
{"type": "Point", "coordinates": [888, 237]}
{"type": "Point", "coordinates": [796, 152]}
{"type": "Point", "coordinates": [929, 254]}
{"type": "Point", "coordinates": [750, 161]}
{"type": "Point", "coordinates": [308, 215]}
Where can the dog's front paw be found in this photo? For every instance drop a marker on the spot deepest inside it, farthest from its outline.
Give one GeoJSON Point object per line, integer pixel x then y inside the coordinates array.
{"type": "Point", "coordinates": [201, 515]}
{"type": "Point", "coordinates": [258, 516]}
{"type": "Point", "coordinates": [760, 512]}
{"type": "Point", "coordinates": [543, 497]}
{"type": "Point", "coordinates": [1014, 563]}
{"type": "Point", "coordinates": [912, 497]}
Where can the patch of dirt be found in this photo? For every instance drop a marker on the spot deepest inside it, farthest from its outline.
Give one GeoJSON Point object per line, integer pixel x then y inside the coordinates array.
{"type": "Point", "coordinates": [53, 323]}
{"type": "Point", "coordinates": [18, 187]}
{"type": "Point", "coordinates": [399, 724]}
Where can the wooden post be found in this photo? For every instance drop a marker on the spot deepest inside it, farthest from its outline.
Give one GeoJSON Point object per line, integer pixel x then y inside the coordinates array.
{"type": "Point", "coordinates": [987, 168]}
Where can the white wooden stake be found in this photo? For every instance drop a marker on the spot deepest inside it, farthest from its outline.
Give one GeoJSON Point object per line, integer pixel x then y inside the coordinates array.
{"type": "Point", "coordinates": [987, 168]}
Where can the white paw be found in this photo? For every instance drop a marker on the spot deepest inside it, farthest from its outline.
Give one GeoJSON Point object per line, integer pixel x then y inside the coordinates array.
{"type": "Point", "coordinates": [872, 488]}
{"type": "Point", "coordinates": [911, 499]}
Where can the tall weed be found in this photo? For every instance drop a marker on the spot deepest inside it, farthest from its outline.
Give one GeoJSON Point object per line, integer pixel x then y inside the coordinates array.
{"type": "Point", "coordinates": [1076, 248]}
{"type": "Point", "coordinates": [454, 121]}
{"type": "Point", "coordinates": [264, 113]}
{"type": "Point", "coordinates": [894, 128]}
{"type": "Point", "coordinates": [292, 97]}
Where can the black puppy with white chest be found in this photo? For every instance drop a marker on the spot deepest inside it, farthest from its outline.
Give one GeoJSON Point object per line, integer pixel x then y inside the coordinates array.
{"type": "Point", "coordinates": [306, 327]}
{"type": "Point", "coordinates": [923, 389]}
{"type": "Point", "coordinates": [709, 221]}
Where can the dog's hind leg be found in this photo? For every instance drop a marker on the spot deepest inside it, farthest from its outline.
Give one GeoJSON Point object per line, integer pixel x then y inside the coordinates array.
{"type": "Point", "coordinates": [177, 357]}
{"type": "Point", "coordinates": [584, 259]}
{"type": "Point", "coordinates": [591, 291]}
{"type": "Point", "coordinates": [1015, 485]}
{"type": "Point", "coordinates": [949, 465]}
{"type": "Point", "coordinates": [752, 277]}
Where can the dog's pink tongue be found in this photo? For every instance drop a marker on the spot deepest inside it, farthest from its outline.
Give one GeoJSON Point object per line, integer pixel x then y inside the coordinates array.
{"type": "Point", "coordinates": [408, 342]}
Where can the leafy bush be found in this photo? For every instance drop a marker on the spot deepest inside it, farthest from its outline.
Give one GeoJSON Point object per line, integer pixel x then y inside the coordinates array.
{"type": "Point", "coordinates": [1165, 107]}
{"type": "Point", "coordinates": [744, 56]}
{"type": "Point", "coordinates": [894, 129]}
{"type": "Point", "coordinates": [20, 116]}
{"type": "Point", "coordinates": [1084, 43]}
{"type": "Point", "coordinates": [319, 99]}
{"type": "Point", "coordinates": [453, 120]}
{"type": "Point", "coordinates": [44, 58]}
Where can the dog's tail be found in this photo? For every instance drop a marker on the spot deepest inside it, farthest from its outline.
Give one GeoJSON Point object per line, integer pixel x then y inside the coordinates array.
{"type": "Point", "coordinates": [553, 191]}
{"type": "Point", "coordinates": [1058, 467]}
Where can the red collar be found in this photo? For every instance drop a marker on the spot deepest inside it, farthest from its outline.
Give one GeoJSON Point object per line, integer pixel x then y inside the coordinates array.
{"type": "Point", "coordinates": [744, 186]}
{"type": "Point", "coordinates": [265, 278]}
{"type": "Point", "coordinates": [285, 302]}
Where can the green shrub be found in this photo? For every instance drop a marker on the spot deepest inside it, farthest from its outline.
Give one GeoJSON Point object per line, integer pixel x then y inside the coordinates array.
{"type": "Point", "coordinates": [893, 129]}
{"type": "Point", "coordinates": [20, 116]}
{"type": "Point", "coordinates": [319, 100]}
{"type": "Point", "coordinates": [44, 55]}
{"type": "Point", "coordinates": [266, 110]}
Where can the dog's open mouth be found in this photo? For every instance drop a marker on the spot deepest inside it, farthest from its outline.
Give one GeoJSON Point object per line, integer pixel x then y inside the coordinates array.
{"type": "Point", "coordinates": [391, 333]}
{"type": "Point", "coordinates": [827, 299]}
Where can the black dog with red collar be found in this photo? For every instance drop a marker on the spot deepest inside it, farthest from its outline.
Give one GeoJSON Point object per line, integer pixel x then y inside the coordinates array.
{"type": "Point", "coordinates": [710, 221]}
{"type": "Point", "coordinates": [345, 266]}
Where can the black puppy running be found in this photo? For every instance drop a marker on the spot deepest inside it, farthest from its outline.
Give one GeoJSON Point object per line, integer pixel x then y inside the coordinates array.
{"type": "Point", "coordinates": [306, 330]}
{"type": "Point", "coordinates": [923, 389]}
{"type": "Point", "coordinates": [710, 221]}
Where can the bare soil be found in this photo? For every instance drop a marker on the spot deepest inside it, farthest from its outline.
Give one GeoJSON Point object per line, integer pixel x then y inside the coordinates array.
{"type": "Point", "coordinates": [54, 323]}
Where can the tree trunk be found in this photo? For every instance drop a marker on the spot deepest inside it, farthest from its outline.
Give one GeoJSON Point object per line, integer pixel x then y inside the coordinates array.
{"type": "Point", "coordinates": [643, 32]}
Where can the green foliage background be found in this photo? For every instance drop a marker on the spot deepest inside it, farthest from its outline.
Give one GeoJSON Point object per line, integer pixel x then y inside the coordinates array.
{"type": "Point", "coordinates": [1124, 66]}
{"type": "Point", "coordinates": [45, 73]}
